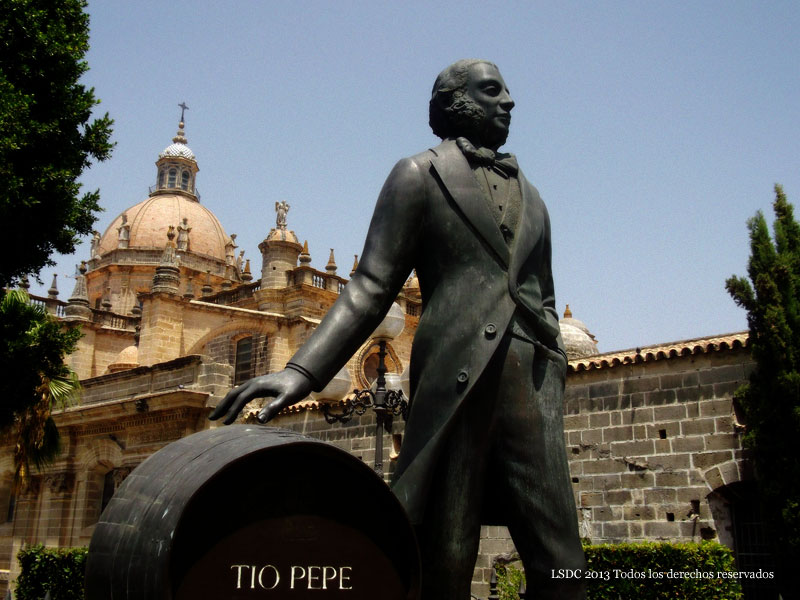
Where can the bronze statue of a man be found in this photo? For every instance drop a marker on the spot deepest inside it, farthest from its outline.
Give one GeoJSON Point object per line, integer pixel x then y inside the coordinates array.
{"type": "Point", "coordinates": [484, 438]}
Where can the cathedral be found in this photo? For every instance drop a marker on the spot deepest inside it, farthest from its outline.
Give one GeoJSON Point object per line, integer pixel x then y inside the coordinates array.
{"type": "Point", "coordinates": [172, 317]}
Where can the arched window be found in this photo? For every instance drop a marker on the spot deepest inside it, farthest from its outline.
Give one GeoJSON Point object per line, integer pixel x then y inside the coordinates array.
{"type": "Point", "coordinates": [185, 180]}
{"type": "Point", "coordinates": [173, 176]}
{"type": "Point", "coordinates": [109, 486]}
{"type": "Point", "coordinates": [371, 368]}
{"type": "Point", "coordinates": [369, 364]}
{"type": "Point", "coordinates": [244, 360]}
{"type": "Point", "coordinates": [161, 177]}
{"type": "Point", "coordinates": [12, 505]}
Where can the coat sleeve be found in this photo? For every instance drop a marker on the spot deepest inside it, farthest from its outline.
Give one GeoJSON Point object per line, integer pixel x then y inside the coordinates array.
{"type": "Point", "coordinates": [387, 259]}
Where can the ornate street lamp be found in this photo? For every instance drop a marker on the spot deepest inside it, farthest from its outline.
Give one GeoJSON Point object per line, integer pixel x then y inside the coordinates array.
{"type": "Point", "coordinates": [385, 396]}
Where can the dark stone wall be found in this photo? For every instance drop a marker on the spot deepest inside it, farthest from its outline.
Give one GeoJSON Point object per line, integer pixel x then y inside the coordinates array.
{"type": "Point", "coordinates": [650, 445]}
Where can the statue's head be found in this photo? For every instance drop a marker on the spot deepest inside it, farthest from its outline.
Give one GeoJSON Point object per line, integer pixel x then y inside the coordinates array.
{"type": "Point", "coordinates": [470, 99]}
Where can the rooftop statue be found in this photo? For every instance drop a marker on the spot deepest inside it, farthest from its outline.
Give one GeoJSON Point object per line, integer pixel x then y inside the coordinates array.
{"type": "Point", "coordinates": [281, 210]}
{"type": "Point", "coordinates": [484, 438]}
{"type": "Point", "coordinates": [183, 234]}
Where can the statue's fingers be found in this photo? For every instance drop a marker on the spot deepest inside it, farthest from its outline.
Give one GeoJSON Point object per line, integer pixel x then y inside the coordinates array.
{"type": "Point", "coordinates": [224, 404]}
{"type": "Point", "coordinates": [272, 409]}
{"type": "Point", "coordinates": [244, 394]}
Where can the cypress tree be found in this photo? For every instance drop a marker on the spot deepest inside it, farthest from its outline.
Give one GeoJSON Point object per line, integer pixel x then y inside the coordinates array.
{"type": "Point", "coordinates": [771, 400]}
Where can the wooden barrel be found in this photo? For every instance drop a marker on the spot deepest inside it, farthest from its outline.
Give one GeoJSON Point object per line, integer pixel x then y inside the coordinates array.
{"type": "Point", "coordinates": [252, 512]}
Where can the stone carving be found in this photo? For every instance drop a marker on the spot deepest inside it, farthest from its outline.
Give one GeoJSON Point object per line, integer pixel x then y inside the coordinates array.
{"type": "Point", "coordinates": [230, 251]}
{"type": "Point", "coordinates": [94, 251]}
{"type": "Point", "coordinates": [169, 257]}
{"type": "Point", "coordinates": [488, 363]}
{"type": "Point", "coordinates": [183, 234]}
{"type": "Point", "coordinates": [586, 523]}
{"type": "Point", "coordinates": [119, 475]}
{"type": "Point", "coordinates": [239, 261]}
{"type": "Point", "coordinates": [59, 483]}
{"type": "Point", "coordinates": [123, 232]}
{"type": "Point", "coordinates": [207, 289]}
{"type": "Point", "coordinates": [281, 208]}
{"type": "Point", "coordinates": [167, 275]}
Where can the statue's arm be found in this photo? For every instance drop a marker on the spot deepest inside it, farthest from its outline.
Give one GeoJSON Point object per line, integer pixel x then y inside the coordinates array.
{"type": "Point", "coordinates": [387, 259]}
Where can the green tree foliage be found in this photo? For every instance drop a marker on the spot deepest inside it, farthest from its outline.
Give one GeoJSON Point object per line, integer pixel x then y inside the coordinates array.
{"type": "Point", "coordinates": [33, 378]}
{"type": "Point", "coordinates": [46, 136]}
{"type": "Point", "coordinates": [771, 401]}
{"type": "Point", "coordinates": [57, 570]}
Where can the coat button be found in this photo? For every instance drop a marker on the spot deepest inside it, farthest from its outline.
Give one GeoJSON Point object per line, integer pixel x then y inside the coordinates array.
{"type": "Point", "coordinates": [490, 331]}
{"type": "Point", "coordinates": [463, 377]}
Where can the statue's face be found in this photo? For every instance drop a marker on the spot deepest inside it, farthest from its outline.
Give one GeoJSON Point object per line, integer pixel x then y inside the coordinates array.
{"type": "Point", "coordinates": [485, 87]}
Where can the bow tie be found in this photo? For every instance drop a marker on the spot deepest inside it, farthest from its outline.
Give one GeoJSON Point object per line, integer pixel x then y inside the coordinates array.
{"type": "Point", "coordinates": [505, 164]}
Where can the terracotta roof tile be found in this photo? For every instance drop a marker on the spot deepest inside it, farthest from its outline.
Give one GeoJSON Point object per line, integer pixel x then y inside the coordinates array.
{"type": "Point", "coordinates": [702, 345]}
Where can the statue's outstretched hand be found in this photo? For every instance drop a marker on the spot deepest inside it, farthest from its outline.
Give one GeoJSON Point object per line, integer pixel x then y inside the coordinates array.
{"type": "Point", "coordinates": [287, 387]}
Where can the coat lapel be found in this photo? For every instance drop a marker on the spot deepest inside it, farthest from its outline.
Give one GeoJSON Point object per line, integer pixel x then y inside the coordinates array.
{"type": "Point", "coordinates": [529, 228]}
{"type": "Point", "coordinates": [456, 175]}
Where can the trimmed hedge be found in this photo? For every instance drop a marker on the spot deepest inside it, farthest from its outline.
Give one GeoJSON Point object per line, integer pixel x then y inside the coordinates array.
{"type": "Point", "coordinates": [649, 570]}
{"type": "Point", "coordinates": [662, 570]}
{"type": "Point", "coordinates": [59, 570]}
{"type": "Point", "coordinates": [645, 571]}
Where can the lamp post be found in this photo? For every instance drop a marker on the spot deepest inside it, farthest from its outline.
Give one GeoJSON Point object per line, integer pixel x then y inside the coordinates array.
{"type": "Point", "coordinates": [386, 403]}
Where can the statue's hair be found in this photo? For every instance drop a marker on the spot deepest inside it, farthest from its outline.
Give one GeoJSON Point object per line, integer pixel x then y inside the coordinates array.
{"type": "Point", "coordinates": [447, 97]}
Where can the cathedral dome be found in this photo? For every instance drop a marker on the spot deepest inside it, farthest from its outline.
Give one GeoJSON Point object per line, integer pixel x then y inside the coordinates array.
{"type": "Point", "coordinates": [173, 202]}
{"type": "Point", "coordinates": [127, 359]}
{"type": "Point", "coordinates": [149, 220]}
{"type": "Point", "coordinates": [281, 234]}
{"type": "Point", "coordinates": [411, 287]}
{"type": "Point", "coordinates": [578, 340]}
{"type": "Point", "coordinates": [177, 150]}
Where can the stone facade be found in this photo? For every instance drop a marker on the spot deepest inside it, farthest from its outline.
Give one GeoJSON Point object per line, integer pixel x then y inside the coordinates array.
{"type": "Point", "coordinates": [163, 321]}
{"type": "Point", "coordinates": [651, 439]}
{"type": "Point", "coordinates": [653, 442]}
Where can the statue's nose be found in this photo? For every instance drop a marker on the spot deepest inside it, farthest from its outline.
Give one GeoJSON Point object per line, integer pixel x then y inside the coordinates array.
{"type": "Point", "coordinates": [506, 102]}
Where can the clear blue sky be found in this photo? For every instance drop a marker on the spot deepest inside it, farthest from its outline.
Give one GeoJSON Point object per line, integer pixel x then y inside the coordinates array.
{"type": "Point", "coordinates": [653, 130]}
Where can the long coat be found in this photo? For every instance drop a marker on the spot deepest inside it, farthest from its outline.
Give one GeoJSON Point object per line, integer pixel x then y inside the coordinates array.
{"type": "Point", "coordinates": [432, 215]}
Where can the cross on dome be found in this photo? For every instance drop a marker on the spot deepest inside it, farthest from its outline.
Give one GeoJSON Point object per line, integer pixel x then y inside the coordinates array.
{"type": "Point", "coordinates": [177, 166]}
